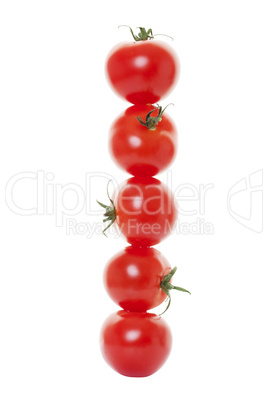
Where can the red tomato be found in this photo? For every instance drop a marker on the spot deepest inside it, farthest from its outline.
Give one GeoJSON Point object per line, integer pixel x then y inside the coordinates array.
{"type": "Point", "coordinates": [142, 72]}
{"type": "Point", "coordinates": [133, 276]}
{"type": "Point", "coordinates": [139, 150]}
{"type": "Point", "coordinates": [135, 344]}
{"type": "Point", "coordinates": [144, 211]}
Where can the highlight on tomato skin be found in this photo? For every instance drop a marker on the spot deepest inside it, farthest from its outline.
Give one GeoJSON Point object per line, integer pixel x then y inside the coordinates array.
{"type": "Point", "coordinates": [142, 72]}
{"type": "Point", "coordinates": [135, 344]}
{"type": "Point", "coordinates": [139, 150]}
{"type": "Point", "coordinates": [132, 278]}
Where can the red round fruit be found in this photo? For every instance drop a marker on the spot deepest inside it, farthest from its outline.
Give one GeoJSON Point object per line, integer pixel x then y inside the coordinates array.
{"type": "Point", "coordinates": [133, 277]}
{"type": "Point", "coordinates": [135, 344]}
{"type": "Point", "coordinates": [139, 150]}
{"type": "Point", "coordinates": [145, 211]}
{"type": "Point", "coordinates": [144, 71]}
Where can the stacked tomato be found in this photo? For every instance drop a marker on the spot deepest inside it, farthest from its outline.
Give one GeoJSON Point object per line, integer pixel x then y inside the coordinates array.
{"type": "Point", "coordinates": [143, 141]}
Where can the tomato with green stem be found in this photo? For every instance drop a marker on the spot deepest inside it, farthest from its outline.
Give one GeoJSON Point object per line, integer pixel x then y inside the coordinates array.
{"type": "Point", "coordinates": [143, 140]}
{"type": "Point", "coordinates": [139, 279]}
{"type": "Point", "coordinates": [135, 344]}
{"type": "Point", "coordinates": [143, 71]}
{"type": "Point", "coordinates": [143, 209]}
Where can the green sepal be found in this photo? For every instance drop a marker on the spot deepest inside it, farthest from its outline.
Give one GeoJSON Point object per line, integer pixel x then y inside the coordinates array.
{"type": "Point", "coordinates": [166, 286]}
{"type": "Point", "coordinates": [110, 212]}
{"type": "Point", "coordinates": [143, 34]}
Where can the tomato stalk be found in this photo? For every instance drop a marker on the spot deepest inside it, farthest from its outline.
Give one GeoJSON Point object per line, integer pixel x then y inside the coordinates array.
{"type": "Point", "coordinates": [166, 286]}
{"type": "Point", "coordinates": [143, 34]}
{"type": "Point", "coordinates": [151, 122]}
{"type": "Point", "coordinates": [110, 212]}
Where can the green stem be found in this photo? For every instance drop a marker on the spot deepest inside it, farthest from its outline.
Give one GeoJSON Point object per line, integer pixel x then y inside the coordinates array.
{"type": "Point", "coordinates": [143, 34]}
{"type": "Point", "coordinates": [166, 286]}
{"type": "Point", "coordinates": [110, 212]}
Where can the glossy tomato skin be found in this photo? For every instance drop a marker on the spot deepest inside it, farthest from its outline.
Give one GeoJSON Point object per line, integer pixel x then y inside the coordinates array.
{"type": "Point", "coordinates": [138, 150]}
{"type": "Point", "coordinates": [132, 278]}
{"type": "Point", "coordinates": [145, 211]}
{"type": "Point", "coordinates": [135, 344]}
{"type": "Point", "coordinates": [142, 72]}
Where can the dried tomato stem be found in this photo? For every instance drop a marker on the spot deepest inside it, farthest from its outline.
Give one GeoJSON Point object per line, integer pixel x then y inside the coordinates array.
{"type": "Point", "coordinates": [151, 122]}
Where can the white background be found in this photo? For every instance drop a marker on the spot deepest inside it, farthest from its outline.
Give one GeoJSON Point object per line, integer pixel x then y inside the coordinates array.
{"type": "Point", "coordinates": [56, 109]}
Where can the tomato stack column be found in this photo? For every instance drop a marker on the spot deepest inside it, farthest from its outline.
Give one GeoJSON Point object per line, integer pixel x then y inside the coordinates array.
{"type": "Point", "coordinates": [143, 141]}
